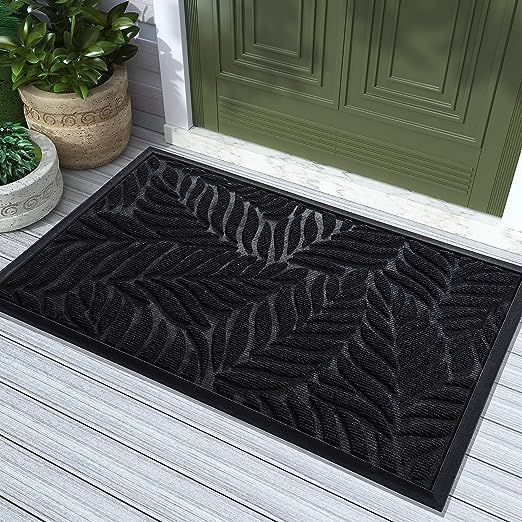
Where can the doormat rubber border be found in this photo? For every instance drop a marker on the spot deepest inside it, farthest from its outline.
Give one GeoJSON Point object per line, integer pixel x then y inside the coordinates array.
{"type": "Point", "coordinates": [436, 497]}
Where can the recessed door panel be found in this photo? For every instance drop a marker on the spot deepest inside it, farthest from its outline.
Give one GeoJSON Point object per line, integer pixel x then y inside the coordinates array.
{"type": "Point", "coordinates": [259, 25]}
{"type": "Point", "coordinates": [422, 64]}
{"type": "Point", "coordinates": [292, 47]}
{"type": "Point", "coordinates": [430, 65]}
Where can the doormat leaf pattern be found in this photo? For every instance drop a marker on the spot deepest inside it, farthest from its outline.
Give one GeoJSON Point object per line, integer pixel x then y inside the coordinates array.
{"type": "Point", "coordinates": [362, 343]}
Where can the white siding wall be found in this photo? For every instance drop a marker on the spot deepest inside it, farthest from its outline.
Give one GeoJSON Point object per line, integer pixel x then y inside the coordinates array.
{"type": "Point", "coordinates": [144, 70]}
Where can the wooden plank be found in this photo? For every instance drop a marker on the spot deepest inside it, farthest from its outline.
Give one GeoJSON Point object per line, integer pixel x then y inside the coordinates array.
{"type": "Point", "coordinates": [146, 98]}
{"type": "Point", "coordinates": [506, 408]}
{"type": "Point", "coordinates": [10, 512]}
{"type": "Point", "coordinates": [151, 121]}
{"type": "Point", "coordinates": [147, 414]}
{"type": "Point", "coordinates": [512, 373]}
{"type": "Point", "coordinates": [145, 73]}
{"type": "Point", "coordinates": [147, 57]}
{"type": "Point", "coordinates": [53, 495]}
{"type": "Point", "coordinates": [110, 466]}
{"type": "Point", "coordinates": [498, 446]}
{"type": "Point", "coordinates": [490, 489]}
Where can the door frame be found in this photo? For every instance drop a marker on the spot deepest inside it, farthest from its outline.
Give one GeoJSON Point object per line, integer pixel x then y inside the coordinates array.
{"type": "Point", "coordinates": [182, 55]}
{"type": "Point", "coordinates": [169, 16]}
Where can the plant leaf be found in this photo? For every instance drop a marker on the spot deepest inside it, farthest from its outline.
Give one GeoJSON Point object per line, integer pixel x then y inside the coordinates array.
{"type": "Point", "coordinates": [60, 87]}
{"type": "Point", "coordinates": [99, 64]}
{"type": "Point", "coordinates": [108, 47]}
{"type": "Point", "coordinates": [117, 11]}
{"type": "Point", "coordinates": [89, 36]}
{"type": "Point", "coordinates": [8, 44]}
{"type": "Point", "coordinates": [84, 90]}
{"type": "Point", "coordinates": [24, 28]}
{"type": "Point", "coordinates": [19, 82]}
{"type": "Point", "coordinates": [96, 16]}
{"type": "Point", "coordinates": [94, 51]}
{"type": "Point", "coordinates": [16, 67]}
{"type": "Point", "coordinates": [122, 23]}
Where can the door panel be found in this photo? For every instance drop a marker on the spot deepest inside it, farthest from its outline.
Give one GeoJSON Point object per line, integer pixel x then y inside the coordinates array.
{"type": "Point", "coordinates": [422, 64]}
{"type": "Point", "coordinates": [291, 47]}
{"type": "Point", "coordinates": [399, 90]}
{"type": "Point", "coordinates": [424, 72]}
{"type": "Point", "coordinates": [438, 72]}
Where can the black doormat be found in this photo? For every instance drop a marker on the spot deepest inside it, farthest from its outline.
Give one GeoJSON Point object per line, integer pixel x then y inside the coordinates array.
{"type": "Point", "coordinates": [368, 345]}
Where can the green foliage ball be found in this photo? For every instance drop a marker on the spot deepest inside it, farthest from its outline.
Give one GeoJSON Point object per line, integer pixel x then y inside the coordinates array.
{"type": "Point", "coordinates": [18, 154]}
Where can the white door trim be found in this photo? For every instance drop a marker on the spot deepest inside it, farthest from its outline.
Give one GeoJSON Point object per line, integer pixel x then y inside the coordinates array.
{"type": "Point", "coordinates": [169, 16]}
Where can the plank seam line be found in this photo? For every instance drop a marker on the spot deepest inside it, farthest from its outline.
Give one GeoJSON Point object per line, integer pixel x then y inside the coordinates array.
{"type": "Point", "coordinates": [21, 508]}
{"type": "Point", "coordinates": [41, 401]}
{"type": "Point", "coordinates": [491, 514]}
{"type": "Point", "coordinates": [502, 425]}
{"type": "Point", "coordinates": [516, 475]}
{"type": "Point", "coordinates": [54, 464]}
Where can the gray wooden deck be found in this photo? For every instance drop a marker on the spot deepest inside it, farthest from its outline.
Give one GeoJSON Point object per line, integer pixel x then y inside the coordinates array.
{"type": "Point", "coordinates": [84, 439]}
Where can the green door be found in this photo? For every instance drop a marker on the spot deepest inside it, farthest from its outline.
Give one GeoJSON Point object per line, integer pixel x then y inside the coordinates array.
{"type": "Point", "coordinates": [419, 93]}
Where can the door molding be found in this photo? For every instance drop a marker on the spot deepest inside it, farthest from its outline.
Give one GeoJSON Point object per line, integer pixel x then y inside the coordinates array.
{"type": "Point", "coordinates": [503, 138]}
{"type": "Point", "coordinates": [508, 161]}
{"type": "Point", "coordinates": [194, 61]}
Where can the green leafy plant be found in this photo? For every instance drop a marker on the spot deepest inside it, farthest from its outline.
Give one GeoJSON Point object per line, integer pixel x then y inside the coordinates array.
{"type": "Point", "coordinates": [18, 154]}
{"type": "Point", "coordinates": [67, 45]}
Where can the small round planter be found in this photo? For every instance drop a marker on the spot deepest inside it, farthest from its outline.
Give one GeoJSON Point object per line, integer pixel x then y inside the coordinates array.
{"type": "Point", "coordinates": [87, 133]}
{"type": "Point", "coordinates": [29, 199]}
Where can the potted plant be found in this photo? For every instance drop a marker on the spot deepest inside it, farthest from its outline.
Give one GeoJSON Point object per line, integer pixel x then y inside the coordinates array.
{"type": "Point", "coordinates": [67, 62]}
{"type": "Point", "coordinates": [30, 179]}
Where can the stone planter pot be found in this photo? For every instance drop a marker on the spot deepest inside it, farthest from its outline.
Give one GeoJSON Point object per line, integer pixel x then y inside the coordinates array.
{"type": "Point", "coordinates": [32, 197]}
{"type": "Point", "coordinates": [87, 133]}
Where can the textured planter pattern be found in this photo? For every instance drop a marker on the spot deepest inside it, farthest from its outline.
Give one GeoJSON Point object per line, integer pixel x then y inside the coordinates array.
{"type": "Point", "coordinates": [32, 197]}
{"type": "Point", "coordinates": [87, 133]}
